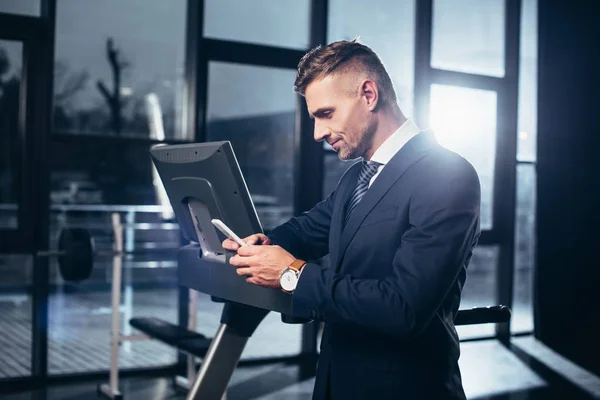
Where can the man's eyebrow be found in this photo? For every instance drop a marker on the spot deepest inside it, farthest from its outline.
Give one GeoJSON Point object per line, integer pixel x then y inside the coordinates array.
{"type": "Point", "coordinates": [319, 111]}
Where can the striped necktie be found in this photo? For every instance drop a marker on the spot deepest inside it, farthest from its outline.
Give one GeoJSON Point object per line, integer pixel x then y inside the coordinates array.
{"type": "Point", "coordinates": [366, 173]}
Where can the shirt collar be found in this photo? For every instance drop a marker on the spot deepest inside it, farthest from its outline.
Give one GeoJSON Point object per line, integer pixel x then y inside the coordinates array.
{"type": "Point", "coordinates": [395, 142]}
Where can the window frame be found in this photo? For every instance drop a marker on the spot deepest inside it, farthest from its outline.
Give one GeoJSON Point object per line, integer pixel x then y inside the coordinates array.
{"type": "Point", "coordinates": [502, 232]}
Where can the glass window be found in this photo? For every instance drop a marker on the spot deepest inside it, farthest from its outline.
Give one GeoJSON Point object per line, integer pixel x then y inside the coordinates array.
{"type": "Point", "coordinates": [93, 170]}
{"type": "Point", "coordinates": [527, 118]}
{"type": "Point", "coordinates": [15, 308]}
{"type": "Point", "coordinates": [254, 108]}
{"type": "Point", "coordinates": [80, 315]}
{"type": "Point", "coordinates": [11, 56]}
{"type": "Point", "coordinates": [120, 73]}
{"type": "Point", "coordinates": [522, 320]}
{"type": "Point", "coordinates": [23, 7]}
{"type": "Point", "coordinates": [390, 33]}
{"type": "Point", "coordinates": [522, 317]}
{"type": "Point", "coordinates": [276, 23]}
{"type": "Point", "coordinates": [480, 289]}
{"type": "Point", "coordinates": [464, 120]}
{"type": "Point", "coordinates": [468, 36]}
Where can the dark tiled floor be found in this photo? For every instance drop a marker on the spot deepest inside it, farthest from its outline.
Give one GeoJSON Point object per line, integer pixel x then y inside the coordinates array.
{"type": "Point", "coordinates": [279, 382]}
{"type": "Point", "coordinates": [490, 371]}
{"type": "Point", "coordinates": [79, 325]}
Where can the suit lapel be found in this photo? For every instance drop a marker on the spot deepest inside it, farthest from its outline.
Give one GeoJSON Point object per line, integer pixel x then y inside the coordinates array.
{"type": "Point", "coordinates": [410, 153]}
{"type": "Point", "coordinates": [343, 196]}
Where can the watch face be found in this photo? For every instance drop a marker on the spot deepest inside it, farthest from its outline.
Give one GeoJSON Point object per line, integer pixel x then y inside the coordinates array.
{"type": "Point", "coordinates": [288, 280]}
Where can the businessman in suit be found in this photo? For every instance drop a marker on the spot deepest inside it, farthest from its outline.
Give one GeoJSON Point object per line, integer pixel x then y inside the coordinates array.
{"type": "Point", "coordinates": [399, 229]}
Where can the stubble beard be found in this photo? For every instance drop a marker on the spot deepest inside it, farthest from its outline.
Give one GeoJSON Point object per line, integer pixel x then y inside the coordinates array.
{"type": "Point", "coordinates": [364, 144]}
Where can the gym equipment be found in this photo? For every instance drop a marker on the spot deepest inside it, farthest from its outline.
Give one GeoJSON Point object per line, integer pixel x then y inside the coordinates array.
{"type": "Point", "coordinates": [203, 182]}
{"type": "Point", "coordinates": [76, 254]}
{"type": "Point", "coordinates": [188, 341]}
{"type": "Point", "coordinates": [483, 315]}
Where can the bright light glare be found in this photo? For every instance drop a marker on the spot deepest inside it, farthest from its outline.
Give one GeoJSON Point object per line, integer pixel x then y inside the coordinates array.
{"type": "Point", "coordinates": [157, 131]}
{"type": "Point", "coordinates": [464, 121]}
{"type": "Point", "coordinates": [523, 135]}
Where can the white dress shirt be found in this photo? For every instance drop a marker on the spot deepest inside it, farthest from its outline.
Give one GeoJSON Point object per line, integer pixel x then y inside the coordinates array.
{"type": "Point", "coordinates": [395, 142]}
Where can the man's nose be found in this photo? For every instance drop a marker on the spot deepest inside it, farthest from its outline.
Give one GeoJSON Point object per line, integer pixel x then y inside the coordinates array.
{"type": "Point", "coordinates": [321, 132]}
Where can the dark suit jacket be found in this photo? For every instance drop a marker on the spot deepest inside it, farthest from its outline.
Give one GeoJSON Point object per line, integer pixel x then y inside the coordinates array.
{"type": "Point", "coordinates": [396, 272]}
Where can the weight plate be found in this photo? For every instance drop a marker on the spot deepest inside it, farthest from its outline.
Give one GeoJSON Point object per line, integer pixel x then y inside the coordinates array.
{"type": "Point", "coordinates": [77, 254]}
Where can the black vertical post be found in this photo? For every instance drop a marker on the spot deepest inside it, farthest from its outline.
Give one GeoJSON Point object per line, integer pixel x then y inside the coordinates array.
{"type": "Point", "coordinates": [194, 116]}
{"type": "Point", "coordinates": [567, 277]}
{"type": "Point", "coordinates": [309, 174]}
{"type": "Point", "coordinates": [195, 71]}
{"type": "Point", "coordinates": [506, 162]}
{"type": "Point", "coordinates": [39, 102]}
{"type": "Point", "coordinates": [423, 37]}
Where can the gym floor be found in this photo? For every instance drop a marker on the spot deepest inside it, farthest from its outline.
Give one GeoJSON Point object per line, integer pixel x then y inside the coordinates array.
{"type": "Point", "coordinates": [79, 325]}
{"type": "Point", "coordinates": [490, 371]}
{"type": "Point", "coordinates": [79, 342]}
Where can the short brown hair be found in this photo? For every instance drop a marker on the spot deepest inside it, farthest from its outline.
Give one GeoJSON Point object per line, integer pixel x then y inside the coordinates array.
{"type": "Point", "coordinates": [338, 56]}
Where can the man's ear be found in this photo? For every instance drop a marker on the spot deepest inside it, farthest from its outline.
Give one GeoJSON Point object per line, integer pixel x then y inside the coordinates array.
{"type": "Point", "coordinates": [370, 92]}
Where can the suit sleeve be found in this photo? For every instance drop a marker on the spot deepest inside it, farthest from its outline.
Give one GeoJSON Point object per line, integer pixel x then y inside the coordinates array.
{"type": "Point", "coordinates": [307, 236]}
{"type": "Point", "coordinates": [444, 226]}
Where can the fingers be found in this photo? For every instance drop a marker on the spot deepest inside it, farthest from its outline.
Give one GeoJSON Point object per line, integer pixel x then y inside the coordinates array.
{"type": "Point", "coordinates": [257, 239]}
{"type": "Point", "coordinates": [252, 280]}
{"type": "Point", "coordinates": [238, 261]}
{"type": "Point", "coordinates": [244, 271]}
{"type": "Point", "coordinates": [250, 250]}
{"type": "Point", "coordinates": [229, 244]}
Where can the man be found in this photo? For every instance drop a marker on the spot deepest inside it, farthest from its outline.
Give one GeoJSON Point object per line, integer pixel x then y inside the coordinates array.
{"type": "Point", "coordinates": [399, 229]}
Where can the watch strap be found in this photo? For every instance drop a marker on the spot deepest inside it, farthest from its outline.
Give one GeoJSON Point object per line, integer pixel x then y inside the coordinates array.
{"type": "Point", "coordinates": [297, 265]}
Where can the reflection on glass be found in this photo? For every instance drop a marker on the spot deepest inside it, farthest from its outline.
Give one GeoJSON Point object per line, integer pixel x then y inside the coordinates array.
{"type": "Point", "coordinates": [138, 45]}
{"type": "Point", "coordinates": [480, 289]}
{"type": "Point", "coordinates": [522, 319]}
{"type": "Point", "coordinates": [15, 309]}
{"type": "Point", "coordinates": [80, 315]}
{"type": "Point", "coordinates": [11, 56]}
{"type": "Point", "coordinates": [254, 108]}
{"type": "Point", "coordinates": [527, 115]}
{"type": "Point", "coordinates": [464, 120]}
{"type": "Point", "coordinates": [468, 36]}
{"type": "Point", "coordinates": [274, 23]}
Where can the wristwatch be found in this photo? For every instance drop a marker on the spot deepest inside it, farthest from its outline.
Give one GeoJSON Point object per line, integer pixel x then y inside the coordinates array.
{"type": "Point", "coordinates": [289, 277]}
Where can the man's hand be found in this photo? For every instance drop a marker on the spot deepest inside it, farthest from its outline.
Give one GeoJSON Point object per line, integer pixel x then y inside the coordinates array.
{"type": "Point", "coordinates": [262, 265]}
{"type": "Point", "coordinates": [256, 239]}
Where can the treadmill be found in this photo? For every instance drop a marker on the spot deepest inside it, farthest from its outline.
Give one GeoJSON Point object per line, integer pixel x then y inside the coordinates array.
{"type": "Point", "coordinates": [203, 181]}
